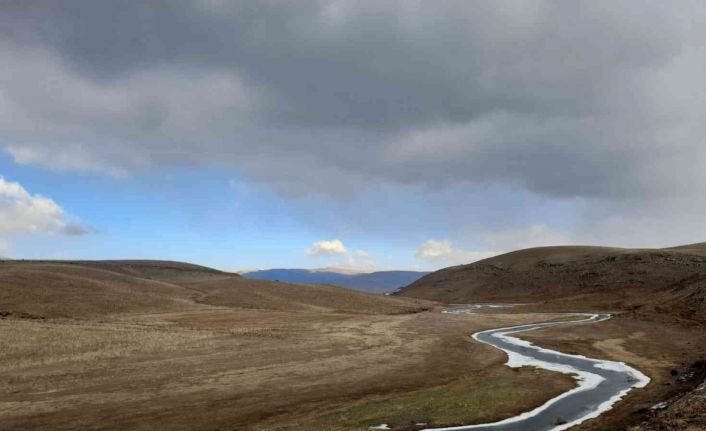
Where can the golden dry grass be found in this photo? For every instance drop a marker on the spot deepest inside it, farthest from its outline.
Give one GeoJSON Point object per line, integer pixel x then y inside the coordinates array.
{"type": "Point", "coordinates": [28, 343]}
{"type": "Point", "coordinates": [221, 368]}
{"type": "Point", "coordinates": [76, 290]}
{"type": "Point", "coordinates": [124, 347]}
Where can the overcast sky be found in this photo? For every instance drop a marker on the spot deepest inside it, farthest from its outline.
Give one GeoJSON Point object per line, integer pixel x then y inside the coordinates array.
{"type": "Point", "coordinates": [371, 134]}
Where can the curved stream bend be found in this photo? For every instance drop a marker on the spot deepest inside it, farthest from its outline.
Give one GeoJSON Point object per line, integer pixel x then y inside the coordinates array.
{"type": "Point", "coordinates": [600, 383]}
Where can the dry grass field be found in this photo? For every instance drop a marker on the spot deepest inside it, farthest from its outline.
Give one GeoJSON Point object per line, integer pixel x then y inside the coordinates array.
{"type": "Point", "coordinates": [154, 345]}
{"type": "Point", "coordinates": [135, 345]}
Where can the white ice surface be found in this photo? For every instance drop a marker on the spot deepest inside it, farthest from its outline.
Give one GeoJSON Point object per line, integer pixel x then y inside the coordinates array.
{"type": "Point", "coordinates": [585, 380]}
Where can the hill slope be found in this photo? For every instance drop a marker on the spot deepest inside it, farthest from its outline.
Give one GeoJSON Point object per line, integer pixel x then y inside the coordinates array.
{"type": "Point", "coordinates": [378, 282]}
{"type": "Point", "coordinates": [585, 275]}
{"type": "Point", "coordinates": [79, 289]}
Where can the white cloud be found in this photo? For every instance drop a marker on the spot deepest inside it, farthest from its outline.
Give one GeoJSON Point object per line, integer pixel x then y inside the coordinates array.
{"type": "Point", "coordinates": [326, 248]}
{"type": "Point", "coordinates": [5, 248]}
{"type": "Point", "coordinates": [444, 251]}
{"type": "Point", "coordinates": [363, 254]}
{"type": "Point", "coordinates": [361, 259]}
{"type": "Point", "coordinates": [357, 261]}
{"type": "Point", "coordinates": [432, 250]}
{"type": "Point", "coordinates": [519, 238]}
{"type": "Point", "coordinates": [67, 157]}
{"type": "Point", "coordinates": [22, 212]}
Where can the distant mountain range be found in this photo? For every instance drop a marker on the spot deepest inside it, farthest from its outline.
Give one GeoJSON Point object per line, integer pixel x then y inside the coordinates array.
{"type": "Point", "coordinates": [376, 282]}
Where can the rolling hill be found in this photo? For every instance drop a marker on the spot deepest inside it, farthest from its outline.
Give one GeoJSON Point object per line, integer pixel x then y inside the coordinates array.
{"type": "Point", "coordinates": [670, 279]}
{"type": "Point", "coordinates": [78, 289]}
{"type": "Point", "coordinates": [377, 282]}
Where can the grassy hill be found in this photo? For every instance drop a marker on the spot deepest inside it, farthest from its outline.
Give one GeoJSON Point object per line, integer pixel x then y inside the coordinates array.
{"type": "Point", "coordinates": [94, 288]}
{"type": "Point", "coordinates": [579, 276]}
{"type": "Point", "coordinates": [136, 345]}
{"type": "Point", "coordinates": [169, 345]}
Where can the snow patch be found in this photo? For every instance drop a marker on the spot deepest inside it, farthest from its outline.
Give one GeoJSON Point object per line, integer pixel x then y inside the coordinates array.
{"type": "Point", "coordinates": [585, 380]}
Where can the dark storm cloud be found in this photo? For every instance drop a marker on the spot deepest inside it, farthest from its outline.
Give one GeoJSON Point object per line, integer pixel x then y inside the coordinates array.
{"type": "Point", "coordinates": [561, 98]}
{"type": "Point", "coordinates": [374, 65]}
{"type": "Point", "coordinates": [75, 230]}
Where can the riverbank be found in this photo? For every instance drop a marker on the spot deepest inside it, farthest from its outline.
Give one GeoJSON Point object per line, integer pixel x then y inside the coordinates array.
{"type": "Point", "coordinates": [600, 383]}
{"type": "Point", "coordinates": [663, 350]}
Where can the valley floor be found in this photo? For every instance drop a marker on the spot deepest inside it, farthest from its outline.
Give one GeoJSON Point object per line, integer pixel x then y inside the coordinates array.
{"type": "Point", "coordinates": [157, 345]}
{"type": "Point", "coordinates": [219, 368]}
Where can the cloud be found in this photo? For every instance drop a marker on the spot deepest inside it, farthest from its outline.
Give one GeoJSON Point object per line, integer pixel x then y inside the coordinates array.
{"type": "Point", "coordinates": [494, 243]}
{"type": "Point", "coordinates": [5, 249]}
{"type": "Point", "coordinates": [432, 250]}
{"type": "Point", "coordinates": [74, 229]}
{"type": "Point", "coordinates": [579, 102]}
{"type": "Point", "coordinates": [518, 238]}
{"type": "Point", "coordinates": [576, 100]}
{"type": "Point", "coordinates": [240, 187]}
{"type": "Point", "coordinates": [361, 259]}
{"type": "Point", "coordinates": [24, 213]}
{"type": "Point", "coordinates": [326, 249]}
{"type": "Point", "coordinates": [362, 254]}
{"type": "Point", "coordinates": [355, 261]}
{"type": "Point", "coordinates": [444, 252]}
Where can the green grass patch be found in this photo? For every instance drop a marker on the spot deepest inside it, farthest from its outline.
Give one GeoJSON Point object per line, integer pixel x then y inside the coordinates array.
{"type": "Point", "coordinates": [473, 399]}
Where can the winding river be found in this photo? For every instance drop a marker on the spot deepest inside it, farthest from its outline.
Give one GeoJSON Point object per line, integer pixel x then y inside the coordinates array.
{"type": "Point", "coordinates": [600, 383]}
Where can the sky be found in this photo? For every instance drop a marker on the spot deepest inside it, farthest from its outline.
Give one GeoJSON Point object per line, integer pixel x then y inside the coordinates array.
{"type": "Point", "coordinates": [360, 134]}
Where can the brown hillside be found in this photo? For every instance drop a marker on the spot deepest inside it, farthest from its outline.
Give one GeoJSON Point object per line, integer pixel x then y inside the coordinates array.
{"type": "Point", "coordinates": [80, 289]}
{"type": "Point", "coordinates": [685, 299]}
{"type": "Point", "coordinates": [247, 293]}
{"type": "Point", "coordinates": [586, 275]}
